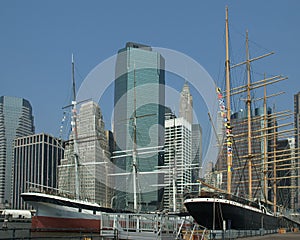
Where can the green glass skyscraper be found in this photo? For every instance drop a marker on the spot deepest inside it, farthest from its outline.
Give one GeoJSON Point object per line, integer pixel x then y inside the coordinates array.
{"type": "Point", "coordinates": [139, 123]}
{"type": "Point", "coordinates": [16, 120]}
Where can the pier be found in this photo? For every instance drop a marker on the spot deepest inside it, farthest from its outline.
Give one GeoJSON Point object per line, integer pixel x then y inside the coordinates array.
{"type": "Point", "coordinates": [288, 236]}
{"type": "Point", "coordinates": [142, 227]}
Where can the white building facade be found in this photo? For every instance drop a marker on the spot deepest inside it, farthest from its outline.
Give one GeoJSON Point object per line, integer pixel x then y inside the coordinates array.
{"type": "Point", "coordinates": [94, 158]}
{"type": "Point", "coordinates": [178, 159]}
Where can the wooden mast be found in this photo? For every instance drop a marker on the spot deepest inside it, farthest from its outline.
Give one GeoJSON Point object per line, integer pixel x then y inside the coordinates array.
{"type": "Point", "coordinates": [248, 101]}
{"type": "Point", "coordinates": [274, 167]}
{"type": "Point", "coordinates": [265, 160]}
{"type": "Point", "coordinates": [227, 66]}
{"type": "Point", "coordinates": [74, 130]}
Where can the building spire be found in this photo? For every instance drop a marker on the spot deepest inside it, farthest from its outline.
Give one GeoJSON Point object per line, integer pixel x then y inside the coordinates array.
{"type": "Point", "coordinates": [186, 104]}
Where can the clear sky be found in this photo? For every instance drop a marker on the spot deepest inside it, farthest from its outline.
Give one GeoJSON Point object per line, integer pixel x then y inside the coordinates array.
{"type": "Point", "coordinates": [38, 37]}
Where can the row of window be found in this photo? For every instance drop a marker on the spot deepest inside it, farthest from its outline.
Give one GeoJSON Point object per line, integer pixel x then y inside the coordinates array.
{"type": "Point", "coordinates": [36, 139]}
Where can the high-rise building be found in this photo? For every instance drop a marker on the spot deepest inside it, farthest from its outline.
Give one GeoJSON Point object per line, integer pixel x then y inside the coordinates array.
{"type": "Point", "coordinates": [286, 185]}
{"type": "Point", "coordinates": [16, 120]}
{"type": "Point", "coordinates": [139, 121]}
{"type": "Point", "coordinates": [186, 112]}
{"type": "Point", "coordinates": [94, 158]}
{"type": "Point", "coordinates": [196, 153]}
{"type": "Point", "coordinates": [36, 158]}
{"type": "Point", "coordinates": [169, 114]}
{"type": "Point", "coordinates": [111, 141]}
{"type": "Point", "coordinates": [297, 141]}
{"type": "Point", "coordinates": [178, 160]}
{"type": "Point", "coordinates": [186, 104]}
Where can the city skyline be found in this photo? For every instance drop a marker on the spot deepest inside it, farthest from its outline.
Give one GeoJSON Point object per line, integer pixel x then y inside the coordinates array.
{"type": "Point", "coordinates": [200, 36]}
{"type": "Point", "coordinates": [48, 72]}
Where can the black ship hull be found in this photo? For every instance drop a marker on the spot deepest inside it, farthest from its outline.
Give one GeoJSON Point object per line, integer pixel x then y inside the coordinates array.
{"type": "Point", "coordinates": [211, 212]}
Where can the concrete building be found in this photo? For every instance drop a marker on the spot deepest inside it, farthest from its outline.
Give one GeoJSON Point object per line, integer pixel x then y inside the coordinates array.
{"type": "Point", "coordinates": [186, 104]}
{"type": "Point", "coordinates": [286, 184]}
{"type": "Point", "coordinates": [36, 158]}
{"type": "Point", "coordinates": [16, 120]}
{"type": "Point", "coordinates": [94, 158]}
{"type": "Point", "coordinates": [169, 114]}
{"type": "Point", "coordinates": [297, 142]}
{"type": "Point", "coordinates": [138, 113]}
{"type": "Point", "coordinates": [186, 112]}
{"type": "Point", "coordinates": [178, 160]}
{"type": "Point", "coordinates": [196, 153]}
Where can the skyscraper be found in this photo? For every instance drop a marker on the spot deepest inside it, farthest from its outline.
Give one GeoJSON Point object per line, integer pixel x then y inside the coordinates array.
{"type": "Point", "coordinates": [94, 158]}
{"type": "Point", "coordinates": [139, 121]}
{"type": "Point", "coordinates": [297, 140]}
{"type": "Point", "coordinates": [36, 158]}
{"type": "Point", "coordinates": [186, 104]}
{"type": "Point", "coordinates": [169, 114]}
{"type": "Point", "coordinates": [186, 112]}
{"type": "Point", "coordinates": [196, 152]}
{"type": "Point", "coordinates": [286, 186]}
{"type": "Point", "coordinates": [16, 120]}
{"type": "Point", "coordinates": [178, 159]}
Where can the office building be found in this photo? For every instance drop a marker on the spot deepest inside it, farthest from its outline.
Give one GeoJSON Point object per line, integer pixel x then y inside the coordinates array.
{"type": "Point", "coordinates": [186, 112]}
{"type": "Point", "coordinates": [94, 158]}
{"type": "Point", "coordinates": [196, 153]}
{"type": "Point", "coordinates": [169, 114]}
{"type": "Point", "coordinates": [36, 158]}
{"type": "Point", "coordinates": [186, 104]}
{"type": "Point", "coordinates": [286, 184]}
{"type": "Point", "coordinates": [178, 160]}
{"type": "Point", "coordinates": [110, 141]}
{"type": "Point", "coordinates": [139, 122]}
{"type": "Point", "coordinates": [297, 143]}
{"type": "Point", "coordinates": [16, 120]}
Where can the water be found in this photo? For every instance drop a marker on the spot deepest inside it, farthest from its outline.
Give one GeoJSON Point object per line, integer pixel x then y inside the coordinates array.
{"type": "Point", "coordinates": [20, 229]}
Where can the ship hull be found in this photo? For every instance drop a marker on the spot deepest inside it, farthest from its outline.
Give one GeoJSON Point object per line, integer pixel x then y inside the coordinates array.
{"type": "Point", "coordinates": [55, 213]}
{"type": "Point", "coordinates": [210, 213]}
{"type": "Point", "coordinates": [58, 224]}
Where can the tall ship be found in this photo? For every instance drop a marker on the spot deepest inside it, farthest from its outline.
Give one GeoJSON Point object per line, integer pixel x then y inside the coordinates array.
{"type": "Point", "coordinates": [253, 169]}
{"type": "Point", "coordinates": [65, 208]}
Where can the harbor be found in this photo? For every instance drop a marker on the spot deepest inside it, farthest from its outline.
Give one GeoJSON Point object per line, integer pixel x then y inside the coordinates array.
{"type": "Point", "coordinates": [231, 209]}
{"type": "Point", "coordinates": [18, 224]}
{"type": "Point", "coordinates": [141, 226]}
{"type": "Point", "coordinates": [157, 172]}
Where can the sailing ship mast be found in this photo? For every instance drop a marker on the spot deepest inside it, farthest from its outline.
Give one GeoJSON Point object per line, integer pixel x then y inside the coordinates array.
{"type": "Point", "coordinates": [74, 130]}
{"type": "Point", "coordinates": [249, 118]}
{"type": "Point", "coordinates": [229, 142]}
{"type": "Point", "coordinates": [265, 161]}
{"type": "Point", "coordinates": [274, 168]}
{"type": "Point", "coordinates": [247, 88]}
{"type": "Point", "coordinates": [134, 152]}
{"type": "Point", "coordinates": [251, 132]}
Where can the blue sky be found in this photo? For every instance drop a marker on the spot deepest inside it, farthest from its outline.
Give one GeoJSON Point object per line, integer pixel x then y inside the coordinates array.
{"type": "Point", "coordinates": [38, 38]}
